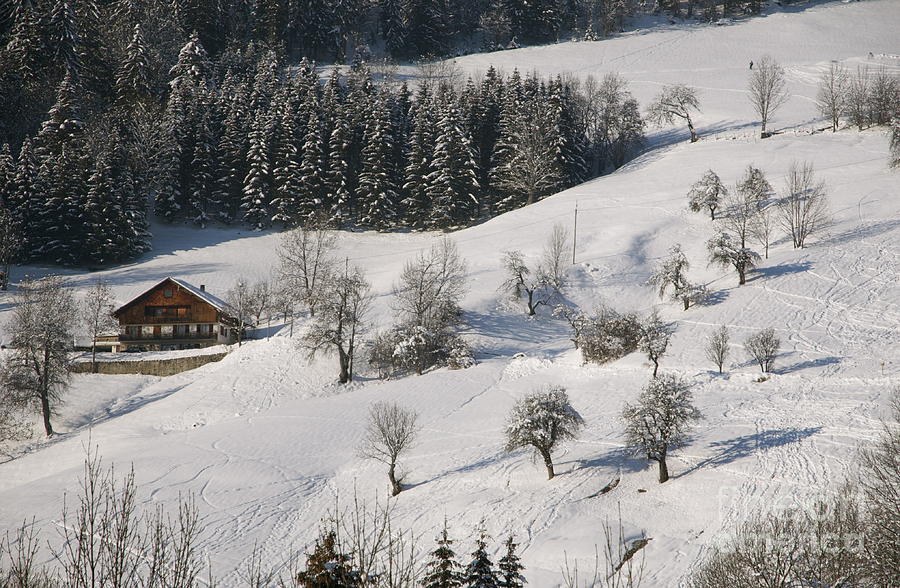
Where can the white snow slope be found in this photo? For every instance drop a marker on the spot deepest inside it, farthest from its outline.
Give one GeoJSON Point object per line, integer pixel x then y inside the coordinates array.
{"type": "Point", "coordinates": [264, 439]}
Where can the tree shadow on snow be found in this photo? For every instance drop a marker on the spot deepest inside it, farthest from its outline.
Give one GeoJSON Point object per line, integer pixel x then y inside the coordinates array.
{"type": "Point", "coordinates": [810, 363]}
{"type": "Point", "coordinates": [734, 449]}
{"type": "Point", "coordinates": [621, 458]}
{"type": "Point", "coordinates": [775, 271]}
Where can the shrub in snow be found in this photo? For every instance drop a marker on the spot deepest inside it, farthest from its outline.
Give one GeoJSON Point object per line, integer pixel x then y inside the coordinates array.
{"type": "Point", "coordinates": [660, 421]}
{"type": "Point", "coordinates": [608, 335]}
{"type": "Point", "coordinates": [537, 287]}
{"type": "Point", "coordinates": [414, 349]}
{"type": "Point", "coordinates": [540, 421]}
{"type": "Point", "coordinates": [762, 348]}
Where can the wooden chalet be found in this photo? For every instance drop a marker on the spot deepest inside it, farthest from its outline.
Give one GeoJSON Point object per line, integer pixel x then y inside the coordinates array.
{"type": "Point", "coordinates": [173, 315]}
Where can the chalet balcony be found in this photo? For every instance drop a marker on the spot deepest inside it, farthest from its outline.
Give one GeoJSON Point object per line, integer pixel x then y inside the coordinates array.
{"type": "Point", "coordinates": [139, 337]}
{"type": "Point", "coordinates": [167, 320]}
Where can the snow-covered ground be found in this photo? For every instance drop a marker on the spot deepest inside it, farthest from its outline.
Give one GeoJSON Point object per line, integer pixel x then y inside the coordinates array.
{"type": "Point", "coordinates": [264, 438]}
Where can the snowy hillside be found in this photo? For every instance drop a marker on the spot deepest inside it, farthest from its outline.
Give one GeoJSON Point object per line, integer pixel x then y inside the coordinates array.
{"type": "Point", "coordinates": [265, 439]}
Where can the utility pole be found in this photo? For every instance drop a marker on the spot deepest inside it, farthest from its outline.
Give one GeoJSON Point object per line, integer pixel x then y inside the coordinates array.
{"type": "Point", "coordinates": [575, 233]}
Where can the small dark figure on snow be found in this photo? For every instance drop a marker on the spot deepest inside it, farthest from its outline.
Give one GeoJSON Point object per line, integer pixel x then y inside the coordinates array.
{"type": "Point", "coordinates": [751, 64]}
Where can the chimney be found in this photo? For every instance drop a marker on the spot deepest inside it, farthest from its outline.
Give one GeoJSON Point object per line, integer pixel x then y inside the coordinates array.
{"type": "Point", "coordinates": [203, 287]}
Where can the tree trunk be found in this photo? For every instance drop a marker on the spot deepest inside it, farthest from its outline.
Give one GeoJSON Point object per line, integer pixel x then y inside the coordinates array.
{"type": "Point", "coordinates": [45, 412]}
{"type": "Point", "coordinates": [742, 277]}
{"type": "Point", "coordinates": [687, 302]}
{"type": "Point", "coordinates": [396, 488]}
{"type": "Point", "coordinates": [712, 213]}
{"type": "Point", "coordinates": [663, 469]}
{"type": "Point", "coordinates": [94, 356]}
{"type": "Point", "coordinates": [344, 360]}
{"type": "Point", "coordinates": [655, 366]}
{"type": "Point", "coordinates": [530, 302]}
{"type": "Point", "coordinates": [691, 129]}
{"type": "Point", "coordinates": [548, 463]}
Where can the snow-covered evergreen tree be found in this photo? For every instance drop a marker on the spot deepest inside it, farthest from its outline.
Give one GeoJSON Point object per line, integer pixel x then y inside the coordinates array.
{"type": "Point", "coordinates": [510, 567]}
{"type": "Point", "coordinates": [442, 569]}
{"type": "Point", "coordinates": [452, 184]}
{"type": "Point", "coordinates": [232, 150]}
{"type": "Point", "coordinates": [133, 76]}
{"type": "Point", "coordinates": [7, 178]}
{"type": "Point", "coordinates": [338, 193]}
{"type": "Point", "coordinates": [313, 170]}
{"type": "Point", "coordinates": [480, 572]}
{"type": "Point", "coordinates": [256, 203]}
{"type": "Point", "coordinates": [417, 204]}
{"type": "Point", "coordinates": [377, 192]}
{"type": "Point", "coordinates": [201, 196]}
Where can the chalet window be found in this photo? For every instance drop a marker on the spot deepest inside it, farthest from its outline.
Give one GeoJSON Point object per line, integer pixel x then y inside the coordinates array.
{"type": "Point", "coordinates": [167, 293]}
{"type": "Point", "coordinates": [147, 330]}
{"type": "Point", "coordinates": [167, 312]}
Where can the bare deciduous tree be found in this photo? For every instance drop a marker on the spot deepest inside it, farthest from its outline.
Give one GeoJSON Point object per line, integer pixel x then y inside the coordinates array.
{"type": "Point", "coordinates": [240, 302]}
{"type": "Point", "coordinates": [880, 484]}
{"type": "Point", "coordinates": [804, 209]}
{"type": "Point", "coordinates": [675, 101]}
{"type": "Point", "coordinates": [261, 300]}
{"type": "Point", "coordinates": [762, 347]}
{"type": "Point", "coordinates": [660, 421]}
{"type": "Point", "coordinates": [762, 227]}
{"type": "Point", "coordinates": [97, 315]}
{"type": "Point", "coordinates": [717, 348]}
{"type": "Point", "coordinates": [305, 257]}
{"type": "Point", "coordinates": [819, 545]}
{"type": "Point", "coordinates": [43, 323]}
{"type": "Point", "coordinates": [613, 567]}
{"type": "Point", "coordinates": [390, 432]}
{"type": "Point", "coordinates": [768, 89]}
{"type": "Point", "coordinates": [340, 319]}
{"type": "Point", "coordinates": [540, 421]}
{"type": "Point", "coordinates": [104, 540]}
{"type": "Point", "coordinates": [654, 340]}
{"type": "Point", "coordinates": [431, 286]}
{"type": "Point", "coordinates": [521, 281]}
{"type": "Point", "coordinates": [832, 96]}
{"type": "Point", "coordinates": [554, 256]}
{"type": "Point", "coordinates": [707, 193]}
{"type": "Point", "coordinates": [858, 91]}
{"type": "Point", "coordinates": [754, 187]}
{"type": "Point", "coordinates": [895, 144]}
{"type": "Point", "coordinates": [10, 243]}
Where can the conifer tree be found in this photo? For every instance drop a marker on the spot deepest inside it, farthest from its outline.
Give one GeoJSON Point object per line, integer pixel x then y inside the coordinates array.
{"type": "Point", "coordinates": [63, 120]}
{"type": "Point", "coordinates": [417, 204]}
{"type": "Point", "coordinates": [377, 192]}
{"type": "Point", "coordinates": [257, 185]}
{"type": "Point", "coordinates": [201, 199]}
{"type": "Point", "coordinates": [480, 572]}
{"type": "Point", "coordinates": [232, 150]}
{"type": "Point", "coordinates": [103, 214]}
{"type": "Point", "coordinates": [327, 567]}
{"type": "Point", "coordinates": [286, 187]}
{"type": "Point", "coordinates": [133, 76]}
{"type": "Point", "coordinates": [7, 177]}
{"type": "Point", "coordinates": [23, 202]}
{"type": "Point", "coordinates": [452, 183]}
{"type": "Point", "coordinates": [338, 175]}
{"type": "Point", "coordinates": [510, 567]}
{"type": "Point", "coordinates": [312, 173]}
{"type": "Point", "coordinates": [65, 38]}
{"type": "Point", "coordinates": [442, 570]}
{"type": "Point", "coordinates": [26, 46]}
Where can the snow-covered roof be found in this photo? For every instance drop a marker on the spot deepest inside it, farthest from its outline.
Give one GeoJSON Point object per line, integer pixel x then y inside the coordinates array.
{"type": "Point", "coordinates": [210, 299]}
{"type": "Point", "coordinates": [215, 301]}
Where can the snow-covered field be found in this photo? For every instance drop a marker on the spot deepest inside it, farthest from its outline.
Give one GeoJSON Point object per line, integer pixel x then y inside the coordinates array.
{"type": "Point", "coordinates": [264, 439]}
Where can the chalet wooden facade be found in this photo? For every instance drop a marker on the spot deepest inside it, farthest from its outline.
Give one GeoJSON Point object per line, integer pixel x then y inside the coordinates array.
{"type": "Point", "coordinates": [173, 315]}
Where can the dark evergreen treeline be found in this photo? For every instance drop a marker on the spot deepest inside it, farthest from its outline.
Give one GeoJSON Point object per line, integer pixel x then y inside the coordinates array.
{"type": "Point", "coordinates": [242, 139]}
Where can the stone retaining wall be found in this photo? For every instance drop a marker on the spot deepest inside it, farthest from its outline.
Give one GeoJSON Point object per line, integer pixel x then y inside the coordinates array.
{"type": "Point", "coordinates": [149, 367]}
